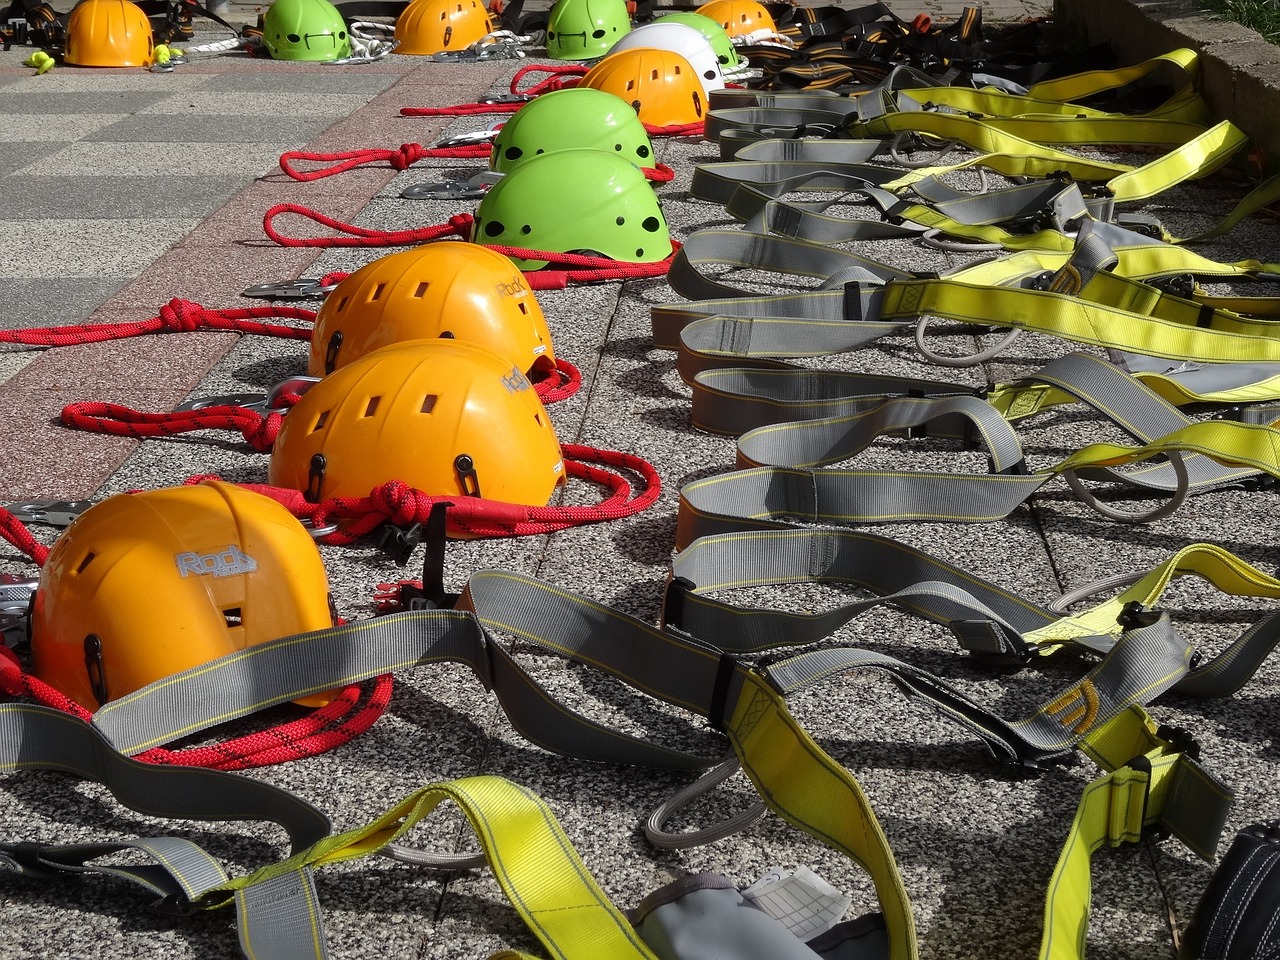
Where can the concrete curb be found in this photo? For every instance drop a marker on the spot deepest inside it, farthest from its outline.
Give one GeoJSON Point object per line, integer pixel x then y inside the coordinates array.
{"type": "Point", "coordinates": [1240, 71]}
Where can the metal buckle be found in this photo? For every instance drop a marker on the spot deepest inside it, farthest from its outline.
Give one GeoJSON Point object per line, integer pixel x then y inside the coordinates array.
{"type": "Point", "coordinates": [465, 139]}
{"type": "Point", "coordinates": [472, 189]}
{"type": "Point", "coordinates": [260, 402]}
{"type": "Point", "coordinates": [53, 513]}
{"type": "Point", "coordinates": [501, 98]}
{"type": "Point", "coordinates": [303, 288]}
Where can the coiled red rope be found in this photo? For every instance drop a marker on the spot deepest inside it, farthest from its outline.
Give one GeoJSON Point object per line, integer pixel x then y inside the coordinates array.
{"type": "Point", "coordinates": [401, 158]}
{"type": "Point", "coordinates": [399, 504]}
{"type": "Point", "coordinates": [177, 316]}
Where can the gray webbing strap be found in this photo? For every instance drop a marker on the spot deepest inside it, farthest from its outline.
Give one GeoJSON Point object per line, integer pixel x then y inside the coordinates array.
{"type": "Point", "coordinates": [718, 182]}
{"type": "Point", "coordinates": [285, 669]}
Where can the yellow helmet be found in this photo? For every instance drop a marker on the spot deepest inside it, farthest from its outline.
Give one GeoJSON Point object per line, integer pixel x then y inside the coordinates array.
{"type": "Point", "coordinates": [434, 26]}
{"type": "Point", "coordinates": [109, 33]}
{"type": "Point", "coordinates": [446, 417]}
{"type": "Point", "coordinates": [739, 17]}
{"type": "Point", "coordinates": [143, 586]}
{"type": "Point", "coordinates": [660, 85]}
{"type": "Point", "coordinates": [445, 289]}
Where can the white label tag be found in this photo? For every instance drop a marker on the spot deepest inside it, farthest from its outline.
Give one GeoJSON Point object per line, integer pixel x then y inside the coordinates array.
{"type": "Point", "coordinates": [802, 901]}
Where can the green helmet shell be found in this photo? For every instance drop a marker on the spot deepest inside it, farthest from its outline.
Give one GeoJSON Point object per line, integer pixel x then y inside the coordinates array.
{"type": "Point", "coordinates": [574, 118]}
{"type": "Point", "coordinates": [585, 29]}
{"type": "Point", "coordinates": [305, 30]}
{"type": "Point", "coordinates": [575, 201]}
{"type": "Point", "coordinates": [716, 35]}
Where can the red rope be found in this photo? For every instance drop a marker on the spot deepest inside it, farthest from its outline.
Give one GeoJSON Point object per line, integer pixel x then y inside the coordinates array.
{"type": "Point", "coordinates": [400, 158]}
{"type": "Point", "coordinates": [560, 77]}
{"type": "Point", "coordinates": [174, 317]}
{"type": "Point", "coordinates": [15, 532]}
{"type": "Point", "coordinates": [121, 421]}
{"type": "Point", "coordinates": [458, 226]}
{"type": "Point", "coordinates": [397, 503]}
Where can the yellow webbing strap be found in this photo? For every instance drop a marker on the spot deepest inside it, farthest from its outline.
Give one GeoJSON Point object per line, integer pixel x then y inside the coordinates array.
{"type": "Point", "coordinates": [1147, 774]}
{"type": "Point", "coordinates": [1215, 565]}
{"type": "Point", "coordinates": [802, 784]}
{"type": "Point", "coordinates": [1070, 317]}
{"type": "Point", "coordinates": [1079, 86]}
{"type": "Point", "coordinates": [531, 857]}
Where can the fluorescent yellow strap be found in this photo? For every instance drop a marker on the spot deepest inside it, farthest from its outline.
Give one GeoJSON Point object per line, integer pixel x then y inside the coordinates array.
{"type": "Point", "coordinates": [810, 790]}
{"type": "Point", "coordinates": [1079, 86]}
{"type": "Point", "coordinates": [1068, 316]}
{"type": "Point", "coordinates": [1228, 442]}
{"type": "Point", "coordinates": [531, 857]}
{"type": "Point", "coordinates": [1219, 567]}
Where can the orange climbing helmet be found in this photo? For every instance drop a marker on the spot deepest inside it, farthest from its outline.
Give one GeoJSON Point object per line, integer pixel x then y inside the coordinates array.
{"type": "Point", "coordinates": [449, 289]}
{"type": "Point", "coordinates": [109, 33]}
{"type": "Point", "coordinates": [143, 586]}
{"type": "Point", "coordinates": [427, 27]}
{"type": "Point", "coordinates": [446, 417]}
{"type": "Point", "coordinates": [662, 86]}
{"type": "Point", "coordinates": [739, 17]}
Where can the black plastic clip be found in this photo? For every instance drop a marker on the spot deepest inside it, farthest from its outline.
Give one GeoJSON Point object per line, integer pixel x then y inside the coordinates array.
{"type": "Point", "coordinates": [1134, 615]}
{"type": "Point", "coordinates": [1180, 739]}
{"type": "Point", "coordinates": [673, 601]}
{"type": "Point", "coordinates": [400, 542]}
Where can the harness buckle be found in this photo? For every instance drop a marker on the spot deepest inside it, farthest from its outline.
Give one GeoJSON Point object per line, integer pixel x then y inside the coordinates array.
{"type": "Point", "coordinates": [304, 288]}
{"type": "Point", "coordinates": [1041, 281]}
{"type": "Point", "coordinates": [1180, 739]}
{"type": "Point", "coordinates": [53, 513]}
{"type": "Point", "coordinates": [1180, 285]}
{"type": "Point", "coordinates": [1133, 615]}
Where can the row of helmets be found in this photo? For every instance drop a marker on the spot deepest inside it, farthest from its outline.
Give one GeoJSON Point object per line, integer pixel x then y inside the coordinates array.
{"type": "Point", "coordinates": [420, 355]}
{"type": "Point", "coordinates": [117, 33]}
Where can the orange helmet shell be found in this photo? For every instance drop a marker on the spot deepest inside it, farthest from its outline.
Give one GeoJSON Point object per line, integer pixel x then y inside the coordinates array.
{"type": "Point", "coordinates": [739, 17]}
{"type": "Point", "coordinates": [662, 86]}
{"type": "Point", "coordinates": [143, 586]}
{"type": "Point", "coordinates": [446, 289]}
{"type": "Point", "coordinates": [109, 33]}
{"type": "Point", "coordinates": [444, 416]}
{"type": "Point", "coordinates": [426, 27]}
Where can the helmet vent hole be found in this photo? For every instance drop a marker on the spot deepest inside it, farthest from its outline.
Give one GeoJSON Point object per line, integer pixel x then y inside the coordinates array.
{"type": "Point", "coordinates": [597, 34]}
{"type": "Point", "coordinates": [421, 290]}
{"type": "Point", "coordinates": [631, 84]}
{"type": "Point", "coordinates": [537, 418]}
{"type": "Point", "coordinates": [642, 151]}
{"type": "Point", "coordinates": [429, 402]}
{"type": "Point", "coordinates": [377, 292]}
{"type": "Point", "coordinates": [654, 75]}
{"type": "Point", "coordinates": [321, 421]}
{"type": "Point", "coordinates": [639, 251]}
{"type": "Point", "coordinates": [709, 74]}
{"type": "Point", "coordinates": [233, 617]}
{"type": "Point", "coordinates": [620, 221]}
{"type": "Point", "coordinates": [294, 38]}
{"type": "Point", "coordinates": [513, 153]}
{"type": "Point", "coordinates": [88, 559]}
{"type": "Point", "coordinates": [526, 229]}
{"type": "Point", "coordinates": [493, 228]}
{"type": "Point", "coordinates": [342, 305]}
{"type": "Point", "coordinates": [651, 224]}
{"type": "Point", "coordinates": [617, 146]}
{"type": "Point", "coordinates": [372, 406]}
{"type": "Point", "coordinates": [523, 309]}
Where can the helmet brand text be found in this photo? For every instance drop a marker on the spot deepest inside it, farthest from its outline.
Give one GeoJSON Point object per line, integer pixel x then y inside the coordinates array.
{"type": "Point", "coordinates": [221, 563]}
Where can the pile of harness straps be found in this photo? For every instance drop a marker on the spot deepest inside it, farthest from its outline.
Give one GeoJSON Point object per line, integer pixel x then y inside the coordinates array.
{"type": "Point", "coordinates": [852, 129]}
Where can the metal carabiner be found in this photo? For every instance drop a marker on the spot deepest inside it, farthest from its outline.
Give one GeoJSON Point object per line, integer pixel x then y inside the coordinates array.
{"type": "Point", "coordinates": [290, 386]}
{"type": "Point", "coordinates": [53, 513]}
{"type": "Point", "coordinates": [303, 288]}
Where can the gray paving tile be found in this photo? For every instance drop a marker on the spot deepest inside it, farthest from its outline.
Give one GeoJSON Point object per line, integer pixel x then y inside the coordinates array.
{"type": "Point", "coordinates": [43, 197]}
{"type": "Point", "coordinates": [15, 156]}
{"type": "Point", "coordinates": [324, 83]}
{"type": "Point", "coordinates": [87, 101]}
{"type": "Point", "coordinates": [54, 300]}
{"type": "Point", "coordinates": [151, 160]}
{"type": "Point", "coordinates": [55, 249]}
{"type": "Point", "coordinates": [49, 129]}
{"type": "Point", "coordinates": [197, 103]}
{"type": "Point", "coordinates": [163, 129]}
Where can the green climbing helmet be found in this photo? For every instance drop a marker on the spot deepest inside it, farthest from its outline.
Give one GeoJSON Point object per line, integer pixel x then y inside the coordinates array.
{"type": "Point", "coordinates": [575, 201]}
{"type": "Point", "coordinates": [574, 118]}
{"type": "Point", "coordinates": [305, 30]}
{"type": "Point", "coordinates": [716, 35]}
{"type": "Point", "coordinates": [585, 29]}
